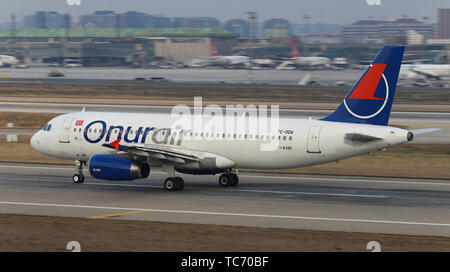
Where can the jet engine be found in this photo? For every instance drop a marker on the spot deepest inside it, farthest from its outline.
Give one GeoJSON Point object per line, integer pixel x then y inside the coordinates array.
{"type": "Point", "coordinates": [110, 167]}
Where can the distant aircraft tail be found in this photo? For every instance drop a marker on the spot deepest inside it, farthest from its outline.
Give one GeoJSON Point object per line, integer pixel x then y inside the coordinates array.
{"type": "Point", "coordinates": [294, 49]}
{"type": "Point", "coordinates": [370, 100]}
{"type": "Point", "coordinates": [213, 49]}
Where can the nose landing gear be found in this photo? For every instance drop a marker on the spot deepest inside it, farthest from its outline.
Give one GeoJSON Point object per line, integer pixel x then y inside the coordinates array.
{"type": "Point", "coordinates": [79, 178]}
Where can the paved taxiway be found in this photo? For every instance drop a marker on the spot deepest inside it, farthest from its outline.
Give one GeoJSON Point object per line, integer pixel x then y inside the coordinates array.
{"type": "Point", "coordinates": [189, 76]}
{"type": "Point", "coordinates": [354, 204]}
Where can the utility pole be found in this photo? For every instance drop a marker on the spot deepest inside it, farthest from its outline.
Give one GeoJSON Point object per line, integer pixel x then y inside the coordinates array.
{"type": "Point", "coordinates": [306, 17]}
{"type": "Point", "coordinates": [253, 22]}
{"type": "Point", "coordinates": [13, 27]}
{"type": "Point", "coordinates": [118, 24]}
{"type": "Point", "coordinates": [67, 25]}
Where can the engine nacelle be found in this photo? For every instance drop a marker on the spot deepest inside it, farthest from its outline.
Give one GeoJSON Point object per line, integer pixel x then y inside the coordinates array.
{"type": "Point", "coordinates": [109, 167]}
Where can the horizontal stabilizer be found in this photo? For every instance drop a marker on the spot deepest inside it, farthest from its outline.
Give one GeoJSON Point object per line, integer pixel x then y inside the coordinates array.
{"type": "Point", "coordinates": [361, 137]}
{"type": "Point", "coordinates": [425, 130]}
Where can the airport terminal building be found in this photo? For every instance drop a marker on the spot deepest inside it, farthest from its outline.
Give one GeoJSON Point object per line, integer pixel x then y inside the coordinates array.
{"type": "Point", "coordinates": [112, 46]}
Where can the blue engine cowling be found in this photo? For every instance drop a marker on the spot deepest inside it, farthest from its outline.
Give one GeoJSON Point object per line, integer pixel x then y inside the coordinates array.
{"type": "Point", "coordinates": [109, 167]}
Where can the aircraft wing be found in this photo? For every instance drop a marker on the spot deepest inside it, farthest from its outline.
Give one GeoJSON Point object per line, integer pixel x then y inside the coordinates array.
{"type": "Point", "coordinates": [163, 153]}
{"type": "Point", "coordinates": [425, 73]}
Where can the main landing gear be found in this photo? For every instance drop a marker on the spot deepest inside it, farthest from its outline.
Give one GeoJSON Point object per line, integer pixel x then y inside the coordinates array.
{"type": "Point", "coordinates": [174, 184]}
{"type": "Point", "coordinates": [228, 179]}
{"type": "Point", "coordinates": [79, 178]}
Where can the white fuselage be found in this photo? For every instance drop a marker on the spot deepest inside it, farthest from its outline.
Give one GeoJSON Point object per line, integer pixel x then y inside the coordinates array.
{"type": "Point", "coordinates": [301, 142]}
{"type": "Point", "coordinates": [429, 70]}
{"type": "Point", "coordinates": [6, 61]}
{"type": "Point", "coordinates": [311, 61]}
{"type": "Point", "coordinates": [230, 60]}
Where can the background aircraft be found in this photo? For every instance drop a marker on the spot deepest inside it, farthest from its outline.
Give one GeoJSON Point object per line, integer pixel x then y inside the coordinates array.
{"type": "Point", "coordinates": [430, 71]}
{"type": "Point", "coordinates": [8, 61]}
{"type": "Point", "coordinates": [228, 61]}
{"type": "Point", "coordinates": [310, 62]}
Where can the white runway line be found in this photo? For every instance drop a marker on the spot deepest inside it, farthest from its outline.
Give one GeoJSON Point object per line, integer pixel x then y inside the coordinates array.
{"type": "Point", "coordinates": [338, 178]}
{"type": "Point", "coordinates": [229, 214]}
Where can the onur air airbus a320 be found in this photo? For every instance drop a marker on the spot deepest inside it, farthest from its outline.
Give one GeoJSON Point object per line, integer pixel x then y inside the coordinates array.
{"type": "Point", "coordinates": [124, 146]}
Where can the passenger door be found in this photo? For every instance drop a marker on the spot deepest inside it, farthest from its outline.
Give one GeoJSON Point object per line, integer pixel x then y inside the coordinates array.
{"type": "Point", "coordinates": [65, 130]}
{"type": "Point", "coordinates": [313, 140]}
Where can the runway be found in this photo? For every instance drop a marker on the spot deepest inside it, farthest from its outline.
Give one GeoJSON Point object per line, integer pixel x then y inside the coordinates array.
{"type": "Point", "coordinates": [339, 203]}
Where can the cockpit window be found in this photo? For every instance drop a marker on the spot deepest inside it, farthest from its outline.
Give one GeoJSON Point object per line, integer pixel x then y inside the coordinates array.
{"type": "Point", "coordinates": [47, 127]}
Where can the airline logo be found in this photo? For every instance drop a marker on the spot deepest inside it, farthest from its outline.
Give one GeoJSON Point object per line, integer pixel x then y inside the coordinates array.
{"type": "Point", "coordinates": [79, 123]}
{"type": "Point", "coordinates": [294, 49]}
{"type": "Point", "coordinates": [370, 95]}
{"type": "Point", "coordinates": [97, 131]}
{"type": "Point", "coordinates": [213, 48]}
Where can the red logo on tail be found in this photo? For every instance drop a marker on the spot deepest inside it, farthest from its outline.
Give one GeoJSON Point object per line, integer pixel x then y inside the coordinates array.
{"type": "Point", "coordinates": [294, 50]}
{"type": "Point", "coordinates": [368, 85]}
{"type": "Point", "coordinates": [213, 48]}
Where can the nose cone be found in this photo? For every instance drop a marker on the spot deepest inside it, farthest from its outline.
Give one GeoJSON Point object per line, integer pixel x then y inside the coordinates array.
{"type": "Point", "coordinates": [34, 142]}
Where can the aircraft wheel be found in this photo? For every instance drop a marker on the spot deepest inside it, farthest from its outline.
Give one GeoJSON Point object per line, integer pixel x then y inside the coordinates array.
{"type": "Point", "coordinates": [179, 182]}
{"type": "Point", "coordinates": [170, 184]}
{"type": "Point", "coordinates": [224, 180]}
{"type": "Point", "coordinates": [78, 178]}
{"type": "Point", "coordinates": [234, 180]}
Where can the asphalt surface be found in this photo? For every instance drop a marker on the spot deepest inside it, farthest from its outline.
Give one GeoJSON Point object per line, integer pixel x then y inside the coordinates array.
{"type": "Point", "coordinates": [337, 203]}
{"type": "Point", "coordinates": [190, 77]}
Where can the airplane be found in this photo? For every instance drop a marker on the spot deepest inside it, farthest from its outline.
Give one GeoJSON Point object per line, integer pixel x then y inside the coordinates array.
{"type": "Point", "coordinates": [310, 62]}
{"type": "Point", "coordinates": [8, 61]}
{"type": "Point", "coordinates": [125, 146]}
{"type": "Point", "coordinates": [430, 71]}
{"type": "Point", "coordinates": [227, 61]}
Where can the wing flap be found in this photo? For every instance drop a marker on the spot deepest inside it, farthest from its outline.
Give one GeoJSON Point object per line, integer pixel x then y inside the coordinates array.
{"type": "Point", "coordinates": [156, 152]}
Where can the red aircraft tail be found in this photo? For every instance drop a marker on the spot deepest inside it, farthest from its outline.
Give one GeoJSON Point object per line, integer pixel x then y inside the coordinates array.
{"type": "Point", "coordinates": [213, 49]}
{"type": "Point", "coordinates": [294, 49]}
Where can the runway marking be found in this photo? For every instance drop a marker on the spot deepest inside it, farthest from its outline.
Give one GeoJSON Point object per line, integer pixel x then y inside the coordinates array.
{"type": "Point", "coordinates": [349, 180]}
{"type": "Point", "coordinates": [236, 190]}
{"type": "Point", "coordinates": [340, 179]}
{"type": "Point", "coordinates": [37, 167]}
{"type": "Point", "coordinates": [115, 214]}
{"type": "Point", "coordinates": [352, 220]}
{"type": "Point", "coordinates": [308, 193]}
